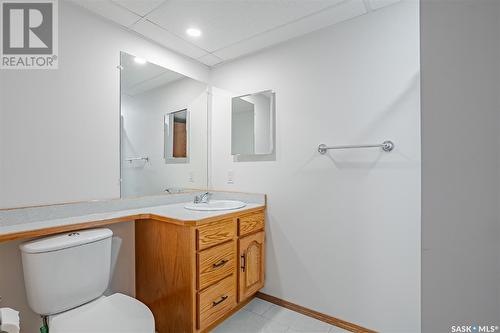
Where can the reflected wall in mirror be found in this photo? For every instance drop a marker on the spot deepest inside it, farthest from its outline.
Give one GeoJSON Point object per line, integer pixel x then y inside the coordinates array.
{"type": "Point", "coordinates": [252, 124]}
{"type": "Point", "coordinates": [163, 130]}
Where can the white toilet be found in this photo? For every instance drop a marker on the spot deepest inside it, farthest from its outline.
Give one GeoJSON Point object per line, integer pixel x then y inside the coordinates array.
{"type": "Point", "coordinates": [65, 278]}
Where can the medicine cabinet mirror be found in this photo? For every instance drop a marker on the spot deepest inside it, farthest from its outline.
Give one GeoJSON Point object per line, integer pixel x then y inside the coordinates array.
{"type": "Point", "coordinates": [253, 124]}
{"type": "Point", "coordinates": [176, 133]}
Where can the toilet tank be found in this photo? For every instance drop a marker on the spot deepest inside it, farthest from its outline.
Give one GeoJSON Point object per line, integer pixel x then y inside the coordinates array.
{"type": "Point", "coordinates": [67, 270]}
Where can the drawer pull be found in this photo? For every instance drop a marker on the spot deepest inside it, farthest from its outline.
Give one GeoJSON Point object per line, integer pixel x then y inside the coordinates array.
{"type": "Point", "coordinates": [222, 299]}
{"type": "Point", "coordinates": [220, 263]}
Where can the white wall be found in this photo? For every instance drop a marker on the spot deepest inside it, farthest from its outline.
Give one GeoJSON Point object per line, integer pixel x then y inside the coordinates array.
{"type": "Point", "coordinates": [343, 229]}
{"type": "Point", "coordinates": [143, 135]}
{"type": "Point", "coordinates": [59, 129]}
{"type": "Point", "coordinates": [460, 50]}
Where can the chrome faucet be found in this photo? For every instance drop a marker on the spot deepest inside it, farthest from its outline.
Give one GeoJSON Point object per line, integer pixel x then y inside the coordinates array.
{"type": "Point", "coordinates": [202, 198]}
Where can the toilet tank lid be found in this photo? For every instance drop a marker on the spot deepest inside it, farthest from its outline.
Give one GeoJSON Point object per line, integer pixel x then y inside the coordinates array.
{"type": "Point", "coordinates": [64, 241]}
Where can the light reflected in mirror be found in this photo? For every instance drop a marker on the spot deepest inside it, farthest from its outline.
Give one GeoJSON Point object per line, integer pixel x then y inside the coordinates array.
{"type": "Point", "coordinates": [176, 137]}
{"type": "Point", "coordinates": [252, 124]}
{"type": "Point", "coordinates": [163, 130]}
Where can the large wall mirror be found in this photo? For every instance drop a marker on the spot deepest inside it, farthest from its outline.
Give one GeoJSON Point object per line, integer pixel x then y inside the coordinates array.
{"type": "Point", "coordinates": [252, 124]}
{"type": "Point", "coordinates": [163, 130]}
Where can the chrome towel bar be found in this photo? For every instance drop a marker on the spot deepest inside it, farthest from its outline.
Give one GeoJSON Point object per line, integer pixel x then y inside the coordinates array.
{"type": "Point", "coordinates": [386, 146]}
{"type": "Point", "coordinates": [146, 159]}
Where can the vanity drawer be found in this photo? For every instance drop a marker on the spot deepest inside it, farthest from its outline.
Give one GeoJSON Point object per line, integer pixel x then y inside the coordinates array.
{"type": "Point", "coordinates": [216, 263]}
{"type": "Point", "coordinates": [215, 233]}
{"type": "Point", "coordinates": [250, 223]}
{"type": "Point", "coordinates": [215, 301]}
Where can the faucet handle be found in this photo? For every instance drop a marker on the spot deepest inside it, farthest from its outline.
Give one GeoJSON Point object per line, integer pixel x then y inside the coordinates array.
{"type": "Point", "coordinates": [202, 198]}
{"type": "Point", "coordinates": [205, 197]}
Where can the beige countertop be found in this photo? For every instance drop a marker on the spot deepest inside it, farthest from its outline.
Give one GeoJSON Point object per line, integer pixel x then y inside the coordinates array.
{"type": "Point", "coordinates": [38, 221]}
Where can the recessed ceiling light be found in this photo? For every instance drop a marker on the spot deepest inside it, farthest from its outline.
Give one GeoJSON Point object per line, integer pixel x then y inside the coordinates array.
{"type": "Point", "coordinates": [141, 61]}
{"type": "Point", "coordinates": [193, 32]}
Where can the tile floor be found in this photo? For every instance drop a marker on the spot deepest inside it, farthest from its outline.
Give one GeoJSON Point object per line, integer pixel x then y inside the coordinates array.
{"type": "Point", "coordinates": [260, 316]}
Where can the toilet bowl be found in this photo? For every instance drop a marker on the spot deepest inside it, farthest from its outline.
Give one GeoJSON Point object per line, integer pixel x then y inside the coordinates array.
{"type": "Point", "coordinates": [65, 278]}
{"type": "Point", "coordinates": [107, 314]}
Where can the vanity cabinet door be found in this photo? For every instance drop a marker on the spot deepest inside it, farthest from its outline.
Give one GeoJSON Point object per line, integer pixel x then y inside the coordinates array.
{"type": "Point", "coordinates": [251, 270]}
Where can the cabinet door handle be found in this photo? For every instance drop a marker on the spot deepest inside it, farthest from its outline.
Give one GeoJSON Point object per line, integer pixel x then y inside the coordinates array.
{"type": "Point", "coordinates": [220, 263]}
{"type": "Point", "coordinates": [222, 299]}
{"type": "Point", "coordinates": [243, 263]}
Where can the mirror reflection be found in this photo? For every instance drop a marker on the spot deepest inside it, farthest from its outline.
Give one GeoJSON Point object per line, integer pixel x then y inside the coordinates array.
{"type": "Point", "coordinates": [163, 130]}
{"type": "Point", "coordinates": [252, 124]}
{"type": "Point", "coordinates": [176, 136]}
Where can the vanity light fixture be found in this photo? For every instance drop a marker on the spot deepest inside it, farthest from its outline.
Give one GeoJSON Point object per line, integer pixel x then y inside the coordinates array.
{"type": "Point", "coordinates": [193, 32]}
{"type": "Point", "coordinates": [140, 61]}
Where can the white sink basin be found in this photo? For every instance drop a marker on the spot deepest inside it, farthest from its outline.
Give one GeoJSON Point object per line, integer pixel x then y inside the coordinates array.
{"type": "Point", "coordinates": [214, 205]}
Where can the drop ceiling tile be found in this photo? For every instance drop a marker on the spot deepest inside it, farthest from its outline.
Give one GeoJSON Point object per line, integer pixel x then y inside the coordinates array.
{"type": "Point", "coordinates": [167, 39]}
{"type": "Point", "coordinates": [226, 22]}
{"type": "Point", "coordinates": [140, 7]}
{"type": "Point", "coordinates": [337, 14]}
{"type": "Point", "coordinates": [376, 4]}
{"type": "Point", "coordinates": [109, 10]}
{"type": "Point", "coordinates": [210, 59]}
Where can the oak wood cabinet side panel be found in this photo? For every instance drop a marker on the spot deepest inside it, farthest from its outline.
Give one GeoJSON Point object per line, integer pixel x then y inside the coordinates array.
{"type": "Point", "coordinates": [165, 274]}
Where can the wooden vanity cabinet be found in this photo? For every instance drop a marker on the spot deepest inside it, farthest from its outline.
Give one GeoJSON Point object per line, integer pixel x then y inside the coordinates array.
{"type": "Point", "coordinates": [194, 276]}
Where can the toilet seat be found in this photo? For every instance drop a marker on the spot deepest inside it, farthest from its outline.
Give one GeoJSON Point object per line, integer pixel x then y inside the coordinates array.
{"type": "Point", "coordinates": [107, 314]}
